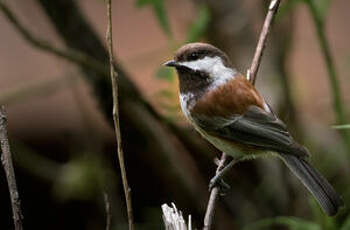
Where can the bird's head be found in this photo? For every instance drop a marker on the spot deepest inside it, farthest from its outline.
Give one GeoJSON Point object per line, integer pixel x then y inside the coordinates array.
{"type": "Point", "coordinates": [200, 64]}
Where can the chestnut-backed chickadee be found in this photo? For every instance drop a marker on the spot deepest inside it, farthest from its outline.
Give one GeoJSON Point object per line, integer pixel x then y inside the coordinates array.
{"type": "Point", "coordinates": [227, 110]}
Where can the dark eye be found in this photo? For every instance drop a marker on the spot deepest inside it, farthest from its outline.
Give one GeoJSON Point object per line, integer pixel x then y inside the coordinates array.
{"type": "Point", "coordinates": [193, 56]}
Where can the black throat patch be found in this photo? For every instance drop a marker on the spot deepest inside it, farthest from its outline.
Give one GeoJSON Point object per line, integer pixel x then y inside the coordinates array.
{"type": "Point", "coordinates": [195, 82]}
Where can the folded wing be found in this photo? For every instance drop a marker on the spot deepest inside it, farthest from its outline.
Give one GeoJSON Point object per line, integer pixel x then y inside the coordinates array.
{"type": "Point", "coordinates": [256, 128]}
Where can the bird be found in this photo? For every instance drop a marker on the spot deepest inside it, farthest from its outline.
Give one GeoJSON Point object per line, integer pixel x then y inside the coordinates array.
{"type": "Point", "coordinates": [229, 112]}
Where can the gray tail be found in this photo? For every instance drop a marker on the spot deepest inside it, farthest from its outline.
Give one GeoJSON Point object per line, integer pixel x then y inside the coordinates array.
{"type": "Point", "coordinates": [319, 187]}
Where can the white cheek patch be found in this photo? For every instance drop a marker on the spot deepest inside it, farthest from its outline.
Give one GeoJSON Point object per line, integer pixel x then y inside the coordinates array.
{"type": "Point", "coordinates": [214, 67]}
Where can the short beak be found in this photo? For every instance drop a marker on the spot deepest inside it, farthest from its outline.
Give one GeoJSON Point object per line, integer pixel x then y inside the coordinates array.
{"type": "Point", "coordinates": [171, 63]}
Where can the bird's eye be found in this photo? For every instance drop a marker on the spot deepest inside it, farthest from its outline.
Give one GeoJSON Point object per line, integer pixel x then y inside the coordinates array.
{"type": "Point", "coordinates": [193, 56]}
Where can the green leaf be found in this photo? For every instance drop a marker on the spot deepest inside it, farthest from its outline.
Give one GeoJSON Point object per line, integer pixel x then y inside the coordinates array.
{"type": "Point", "coordinates": [159, 11]}
{"type": "Point", "coordinates": [165, 73]}
{"type": "Point", "coordinates": [200, 25]}
{"type": "Point", "coordinates": [80, 178]}
{"type": "Point", "coordinates": [347, 126]}
{"type": "Point", "coordinates": [287, 7]}
{"type": "Point", "coordinates": [165, 94]}
{"type": "Point", "coordinates": [170, 107]}
{"type": "Point", "coordinates": [293, 223]}
{"type": "Point", "coordinates": [321, 6]}
{"type": "Point", "coordinates": [141, 3]}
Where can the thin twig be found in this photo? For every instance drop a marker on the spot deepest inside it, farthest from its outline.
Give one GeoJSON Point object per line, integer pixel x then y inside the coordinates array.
{"type": "Point", "coordinates": [114, 78]}
{"type": "Point", "coordinates": [253, 70]}
{"type": "Point", "coordinates": [68, 54]}
{"type": "Point", "coordinates": [209, 214]}
{"type": "Point", "coordinates": [178, 140]}
{"type": "Point", "coordinates": [6, 160]}
{"type": "Point", "coordinates": [108, 211]}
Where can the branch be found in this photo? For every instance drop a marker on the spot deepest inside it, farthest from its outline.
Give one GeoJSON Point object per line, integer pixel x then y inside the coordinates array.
{"type": "Point", "coordinates": [253, 70]}
{"type": "Point", "coordinates": [6, 160]}
{"type": "Point", "coordinates": [114, 78]}
{"type": "Point", "coordinates": [209, 214]}
{"type": "Point", "coordinates": [175, 149]}
{"type": "Point", "coordinates": [69, 54]}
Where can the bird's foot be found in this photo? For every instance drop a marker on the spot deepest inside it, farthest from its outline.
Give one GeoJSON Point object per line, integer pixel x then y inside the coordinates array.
{"type": "Point", "coordinates": [216, 181]}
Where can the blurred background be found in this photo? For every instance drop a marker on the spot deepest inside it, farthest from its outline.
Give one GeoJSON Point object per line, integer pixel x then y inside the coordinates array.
{"type": "Point", "coordinates": [56, 89]}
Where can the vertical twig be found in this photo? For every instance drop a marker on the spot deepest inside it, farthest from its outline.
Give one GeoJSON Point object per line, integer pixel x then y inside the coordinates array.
{"type": "Point", "coordinates": [114, 79]}
{"type": "Point", "coordinates": [6, 160]}
{"type": "Point", "coordinates": [253, 70]}
{"type": "Point", "coordinates": [108, 211]}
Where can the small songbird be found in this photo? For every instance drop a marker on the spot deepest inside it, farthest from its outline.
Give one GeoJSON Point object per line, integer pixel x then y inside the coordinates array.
{"type": "Point", "coordinates": [227, 110]}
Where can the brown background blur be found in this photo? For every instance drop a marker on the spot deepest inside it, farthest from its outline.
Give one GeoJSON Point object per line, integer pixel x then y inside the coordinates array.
{"type": "Point", "coordinates": [142, 47]}
{"type": "Point", "coordinates": [51, 106]}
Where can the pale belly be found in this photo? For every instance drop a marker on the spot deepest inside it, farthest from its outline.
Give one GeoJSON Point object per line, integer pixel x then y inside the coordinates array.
{"type": "Point", "coordinates": [235, 150]}
{"type": "Point", "coordinates": [229, 147]}
{"type": "Point", "coordinates": [223, 145]}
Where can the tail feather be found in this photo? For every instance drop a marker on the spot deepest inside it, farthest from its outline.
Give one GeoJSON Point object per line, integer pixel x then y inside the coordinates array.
{"type": "Point", "coordinates": [319, 187]}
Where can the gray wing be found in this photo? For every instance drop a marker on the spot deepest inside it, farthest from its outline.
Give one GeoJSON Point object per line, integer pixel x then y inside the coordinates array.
{"type": "Point", "coordinates": [255, 127]}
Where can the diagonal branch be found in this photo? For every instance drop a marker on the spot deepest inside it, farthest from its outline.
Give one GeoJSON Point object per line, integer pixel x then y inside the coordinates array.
{"type": "Point", "coordinates": [6, 160]}
{"type": "Point", "coordinates": [71, 55]}
{"type": "Point", "coordinates": [209, 214]}
{"type": "Point", "coordinates": [114, 78]}
{"type": "Point", "coordinates": [252, 72]}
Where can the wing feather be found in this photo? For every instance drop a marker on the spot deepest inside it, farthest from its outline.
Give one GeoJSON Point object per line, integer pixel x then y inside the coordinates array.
{"type": "Point", "coordinates": [256, 128]}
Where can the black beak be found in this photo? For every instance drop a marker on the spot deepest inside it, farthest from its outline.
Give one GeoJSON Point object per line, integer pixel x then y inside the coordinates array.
{"type": "Point", "coordinates": [171, 63]}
